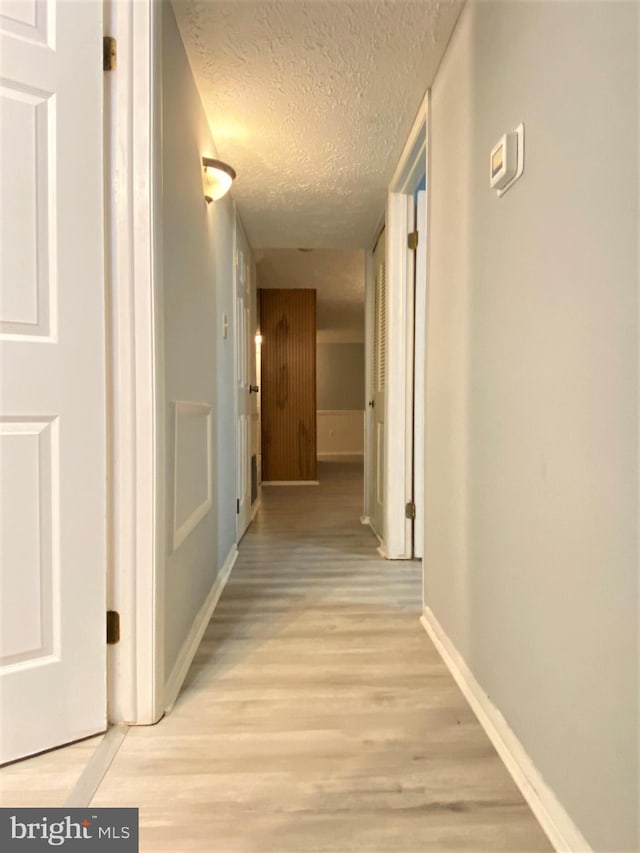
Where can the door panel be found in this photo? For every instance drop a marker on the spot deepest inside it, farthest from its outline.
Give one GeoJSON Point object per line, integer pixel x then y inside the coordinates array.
{"type": "Point", "coordinates": [52, 389]}
{"type": "Point", "coordinates": [379, 384]}
{"type": "Point", "coordinates": [288, 326]}
{"type": "Point", "coordinates": [418, 371]}
{"type": "Point", "coordinates": [243, 378]}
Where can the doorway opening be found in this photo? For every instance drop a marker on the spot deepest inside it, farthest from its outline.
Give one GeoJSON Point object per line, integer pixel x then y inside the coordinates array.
{"type": "Point", "coordinates": [312, 363]}
{"type": "Point", "coordinates": [395, 297]}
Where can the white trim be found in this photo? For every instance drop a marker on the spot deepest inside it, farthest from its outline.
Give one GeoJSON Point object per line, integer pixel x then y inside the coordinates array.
{"type": "Point", "coordinates": [255, 508]}
{"type": "Point", "coordinates": [419, 373]}
{"type": "Point", "coordinates": [410, 166]}
{"type": "Point", "coordinates": [192, 642]}
{"type": "Point", "coordinates": [356, 454]}
{"type": "Point", "coordinates": [561, 831]}
{"type": "Point", "coordinates": [369, 331]}
{"type": "Point", "coordinates": [291, 482]}
{"type": "Point", "coordinates": [180, 407]}
{"type": "Point", "coordinates": [240, 263]}
{"type": "Point", "coordinates": [346, 412]}
{"type": "Point", "coordinates": [398, 416]}
{"type": "Point", "coordinates": [96, 768]}
{"type": "Point", "coordinates": [366, 522]}
{"type": "Point", "coordinates": [638, 466]}
{"type": "Point", "coordinates": [132, 161]}
{"type": "Point", "coordinates": [376, 233]}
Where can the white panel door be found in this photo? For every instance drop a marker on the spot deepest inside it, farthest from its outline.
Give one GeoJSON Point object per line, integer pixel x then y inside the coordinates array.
{"type": "Point", "coordinates": [52, 388]}
{"type": "Point", "coordinates": [419, 371]}
{"type": "Point", "coordinates": [244, 350]}
{"type": "Point", "coordinates": [379, 383]}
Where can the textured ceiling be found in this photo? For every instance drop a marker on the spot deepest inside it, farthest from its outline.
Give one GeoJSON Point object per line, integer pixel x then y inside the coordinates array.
{"type": "Point", "coordinates": [311, 102]}
{"type": "Point", "coordinates": [337, 275]}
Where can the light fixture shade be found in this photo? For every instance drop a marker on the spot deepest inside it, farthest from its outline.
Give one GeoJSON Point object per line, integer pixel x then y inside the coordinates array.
{"type": "Point", "coordinates": [218, 177]}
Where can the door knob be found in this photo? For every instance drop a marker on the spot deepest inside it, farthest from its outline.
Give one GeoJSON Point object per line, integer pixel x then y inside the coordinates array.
{"type": "Point", "coordinates": [372, 403]}
{"type": "Point", "coordinates": [253, 389]}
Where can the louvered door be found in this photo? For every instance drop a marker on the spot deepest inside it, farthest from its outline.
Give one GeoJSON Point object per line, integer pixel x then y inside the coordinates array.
{"type": "Point", "coordinates": [379, 382]}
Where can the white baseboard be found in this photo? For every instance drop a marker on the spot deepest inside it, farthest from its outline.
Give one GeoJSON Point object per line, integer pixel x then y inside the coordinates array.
{"type": "Point", "coordinates": [255, 508]}
{"type": "Point", "coordinates": [356, 455]}
{"type": "Point", "coordinates": [290, 482]}
{"type": "Point", "coordinates": [364, 519]}
{"type": "Point", "coordinates": [190, 645]}
{"type": "Point", "coordinates": [561, 831]}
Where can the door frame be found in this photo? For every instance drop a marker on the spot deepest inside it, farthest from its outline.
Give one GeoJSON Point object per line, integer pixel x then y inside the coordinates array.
{"type": "Point", "coordinates": [399, 432]}
{"type": "Point", "coordinates": [369, 334]}
{"type": "Point", "coordinates": [238, 231]}
{"type": "Point", "coordinates": [136, 410]}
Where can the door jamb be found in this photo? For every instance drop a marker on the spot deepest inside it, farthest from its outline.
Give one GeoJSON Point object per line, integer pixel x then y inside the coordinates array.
{"type": "Point", "coordinates": [135, 666]}
{"type": "Point", "coordinates": [369, 331]}
{"type": "Point", "coordinates": [398, 530]}
{"type": "Point", "coordinates": [238, 228]}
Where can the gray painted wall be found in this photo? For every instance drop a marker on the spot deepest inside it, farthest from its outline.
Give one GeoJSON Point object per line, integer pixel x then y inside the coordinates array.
{"type": "Point", "coordinates": [532, 389]}
{"type": "Point", "coordinates": [340, 376]}
{"type": "Point", "coordinates": [197, 246]}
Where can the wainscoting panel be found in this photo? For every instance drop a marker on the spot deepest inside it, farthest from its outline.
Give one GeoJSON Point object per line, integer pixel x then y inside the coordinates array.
{"type": "Point", "coordinates": [193, 447]}
{"type": "Point", "coordinates": [340, 432]}
{"type": "Point", "coordinates": [288, 370]}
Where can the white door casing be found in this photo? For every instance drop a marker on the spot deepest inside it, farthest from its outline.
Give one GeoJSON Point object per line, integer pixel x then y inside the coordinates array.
{"type": "Point", "coordinates": [52, 391]}
{"type": "Point", "coordinates": [419, 372]}
{"type": "Point", "coordinates": [243, 356]}
{"type": "Point", "coordinates": [255, 350]}
{"type": "Point", "coordinates": [369, 325]}
{"type": "Point", "coordinates": [137, 509]}
{"type": "Point", "coordinates": [379, 386]}
{"type": "Point", "coordinates": [399, 419]}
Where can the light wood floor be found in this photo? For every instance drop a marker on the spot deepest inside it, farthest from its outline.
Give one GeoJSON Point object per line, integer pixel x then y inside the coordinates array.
{"type": "Point", "coordinates": [317, 715]}
{"type": "Point", "coordinates": [46, 779]}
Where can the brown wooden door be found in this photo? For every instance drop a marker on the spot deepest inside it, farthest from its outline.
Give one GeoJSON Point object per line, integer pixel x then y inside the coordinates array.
{"type": "Point", "coordinates": [288, 328]}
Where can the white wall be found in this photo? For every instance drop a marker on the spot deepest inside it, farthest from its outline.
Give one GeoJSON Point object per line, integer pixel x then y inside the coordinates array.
{"type": "Point", "coordinates": [340, 398]}
{"type": "Point", "coordinates": [532, 390]}
{"type": "Point", "coordinates": [340, 375]}
{"type": "Point", "coordinates": [340, 432]}
{"type": "Point", "coordinates": [197, 244]}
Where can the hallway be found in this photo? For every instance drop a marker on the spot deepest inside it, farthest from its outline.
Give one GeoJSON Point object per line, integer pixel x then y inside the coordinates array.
{"type": "Point", "coordinates": [317, 715]}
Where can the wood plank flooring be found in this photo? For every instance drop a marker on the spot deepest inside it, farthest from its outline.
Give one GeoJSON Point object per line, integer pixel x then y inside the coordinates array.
{"type": "Point", "coordinates": [46, 779]}
{"type": "Point", "coordinates": [317, 715]}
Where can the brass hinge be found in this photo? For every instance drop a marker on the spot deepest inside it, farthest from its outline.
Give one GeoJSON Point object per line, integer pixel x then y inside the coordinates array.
{"type": "Point", "coordinates": [109, 53]}
{"type": "Point", "coordinates": [412, 240]}
{"type": "Point", "coordinates": [410, 510]}
{"type": "Point", "coordinates": [113, 627]}
{"type": "Point", "coordinates": [237, 506]}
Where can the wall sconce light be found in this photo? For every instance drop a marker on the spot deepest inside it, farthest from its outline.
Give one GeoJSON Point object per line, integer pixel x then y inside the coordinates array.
{"type": "Point", "coordinates": [258, 340]}
{"type": "Point", "coordinates": [218, 177]}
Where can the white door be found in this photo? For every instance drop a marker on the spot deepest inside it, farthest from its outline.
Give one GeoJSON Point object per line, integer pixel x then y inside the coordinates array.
{"type": "Point", "coordinates": [379, 367]}
{"type": "Point", "coordinates": [52, 389]}
{"type": "Point", "coordinates": [244, 349]}
{"type": "Point", "coordinates": [418, 371]}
